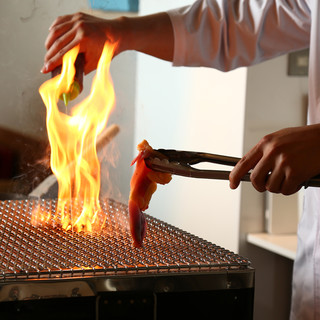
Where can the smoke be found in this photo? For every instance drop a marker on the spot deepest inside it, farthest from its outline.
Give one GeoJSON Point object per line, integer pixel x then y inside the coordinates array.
{"type": "Point", "coordinates": [109, 158]}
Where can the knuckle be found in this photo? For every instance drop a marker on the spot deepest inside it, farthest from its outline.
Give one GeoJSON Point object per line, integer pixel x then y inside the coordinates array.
{"type": "Point", "coordinates": [266, 141]}
{"type": "Point", "coordinates": [60, 53]}
{"type": "Point", "coordinates": [291, 183]}
{"type": "Point", "coordinates": [79, 16]}
{"type": "Point", "coordinates": [79, 28]}
{"type": "Point", "coordinates": [77, 40]}
{"type": "Point", "coordinates": [291, 174]}
{"type": "Point", "coordinates": [259, 188]}
{"type": "Point", "coordinates": [287, 192]}
{"type": "Point", "coordinates": [272, 189]}
{"type": "Point", "coordinates": [256, 182]}
{"type": "Point", "coordinates": [53, 30]}
{"type": "Point", "coordinates": [242, 162]}
{"type": "Point", "coordinates": [57, 42]}
{"type": "Point", "coordinates": [244, 159]}
{"type": "Point", "coordinates": [79, 24]}
{"type": "Point", "coordinates": [269, 145]}
{"type": "Point", "coordinates": [253, 177]}
{"type": "Point", "coordinates": [276, 150]}
{"type": "Point", "coordinates": [282, 161]}
{"type": "Point", "coordinates": [57, 51]}
{"type": "Point", "coordinates": [58, 19]}
{"type": "Point", "coordinates": [80, 33]}
{"type": "Point", "coordinates": [289, 189]}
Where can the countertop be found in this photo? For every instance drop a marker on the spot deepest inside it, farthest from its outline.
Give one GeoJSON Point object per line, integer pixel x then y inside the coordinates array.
{"type": "Point", "coordinates": [282, 244]}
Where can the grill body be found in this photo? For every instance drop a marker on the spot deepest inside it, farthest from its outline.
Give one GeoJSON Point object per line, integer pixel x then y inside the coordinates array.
{"type": "Point", "coordinates": [47, 271]}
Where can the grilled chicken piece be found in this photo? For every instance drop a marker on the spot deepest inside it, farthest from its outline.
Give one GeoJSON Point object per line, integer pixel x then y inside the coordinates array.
{"type": "Point", "coordinates": [143, 184]}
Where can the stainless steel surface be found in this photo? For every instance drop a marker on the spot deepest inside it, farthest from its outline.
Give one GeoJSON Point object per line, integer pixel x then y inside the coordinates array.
{"type": "Point", "coordinates": [33, 257]}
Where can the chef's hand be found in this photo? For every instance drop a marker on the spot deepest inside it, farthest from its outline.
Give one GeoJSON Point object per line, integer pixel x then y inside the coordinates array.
{"type": "Point", "coordinates": [151, 34]}
{"type": "Point", "coordinates": [281, 161]}
{"type": "Point", "coordinates": [68, 31]}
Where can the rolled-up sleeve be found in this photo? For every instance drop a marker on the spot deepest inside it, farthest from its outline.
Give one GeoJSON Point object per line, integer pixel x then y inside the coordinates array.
{"type": "Point", "coordinates": [226, 34]}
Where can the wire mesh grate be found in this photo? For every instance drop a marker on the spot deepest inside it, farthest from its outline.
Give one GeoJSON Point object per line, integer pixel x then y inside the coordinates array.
{"type": "Point", "coordinates": [48, 251]}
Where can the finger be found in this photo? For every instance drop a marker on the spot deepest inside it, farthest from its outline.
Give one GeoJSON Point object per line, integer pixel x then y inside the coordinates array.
{"type": "Point", "coordinates": [56, 59]}
{"type": "Point", "coordinates": [287, 190]}
{"type": "Point", "coordinates": [260, 175]}
{"type": "Point", "coordinates": [275, 181]}
{"type": "Point", "coordinates": [245, 164]}
{"type": "Point", "coordinates": [290, 186]}
{"type": "Point", "coordinates": [60, 20]}
{"type": "Point", "coordinates": [60, 44]}
{"type": "Point", "coordinates": [56, 33]}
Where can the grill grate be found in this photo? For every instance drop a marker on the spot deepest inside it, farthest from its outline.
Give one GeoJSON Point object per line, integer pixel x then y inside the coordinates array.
{"type": "Point", "coordinates": [28, 252]}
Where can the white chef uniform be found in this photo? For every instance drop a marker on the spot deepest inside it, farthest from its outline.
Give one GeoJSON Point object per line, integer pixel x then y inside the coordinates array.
{"type": "Point", "coordinates": [226, 34]}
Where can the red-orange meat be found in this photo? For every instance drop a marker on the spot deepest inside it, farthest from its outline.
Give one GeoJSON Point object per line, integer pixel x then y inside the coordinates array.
{"type": "Point", "coordinates": [143, 184]}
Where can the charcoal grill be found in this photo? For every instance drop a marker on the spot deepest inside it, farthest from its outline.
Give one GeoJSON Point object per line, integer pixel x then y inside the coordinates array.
{"type": "Point", "coordinates": [47, 271]}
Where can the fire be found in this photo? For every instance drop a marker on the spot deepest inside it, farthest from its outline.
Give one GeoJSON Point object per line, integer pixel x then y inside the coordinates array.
{"type": "Point", "coordinates": [73, 137]}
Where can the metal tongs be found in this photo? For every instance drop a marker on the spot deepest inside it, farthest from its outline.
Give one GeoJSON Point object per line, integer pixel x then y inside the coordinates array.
{"type": "Point", "coordinates": [180, 163]}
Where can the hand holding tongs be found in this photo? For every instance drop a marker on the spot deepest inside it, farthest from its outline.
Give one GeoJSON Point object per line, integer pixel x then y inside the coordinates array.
{"type": "Point", "coordinates": [180, 163]}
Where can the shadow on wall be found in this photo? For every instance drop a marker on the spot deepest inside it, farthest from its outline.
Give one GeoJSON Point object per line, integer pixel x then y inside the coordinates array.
{"type": "Point", "coordinates": [24, 162]}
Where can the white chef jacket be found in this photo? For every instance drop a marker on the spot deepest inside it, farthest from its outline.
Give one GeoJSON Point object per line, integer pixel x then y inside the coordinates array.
{"type": "Point", "coordinates": [226, 34]}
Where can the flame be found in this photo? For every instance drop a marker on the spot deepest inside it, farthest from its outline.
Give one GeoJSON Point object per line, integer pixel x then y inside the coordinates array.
{"type": "Point", "coordinates": [72, 138]}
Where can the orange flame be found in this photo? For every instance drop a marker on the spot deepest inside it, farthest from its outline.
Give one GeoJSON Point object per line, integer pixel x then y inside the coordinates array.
{"type": "Point", "coordinates": [72, 138]}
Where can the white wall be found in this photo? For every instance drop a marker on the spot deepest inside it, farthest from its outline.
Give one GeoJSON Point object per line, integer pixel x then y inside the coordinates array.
{"type": "Point", "coordinates": [197, 109]}
{"type": "Point", "coordinates": [24, 27]}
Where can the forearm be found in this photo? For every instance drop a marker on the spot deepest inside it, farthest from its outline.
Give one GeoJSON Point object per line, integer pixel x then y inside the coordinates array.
{"type": "Point", "coordinates": [152, 35]}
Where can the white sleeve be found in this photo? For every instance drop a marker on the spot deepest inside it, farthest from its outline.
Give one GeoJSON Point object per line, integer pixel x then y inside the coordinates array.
{"type": "Point", "coordinates": [226, 34]}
